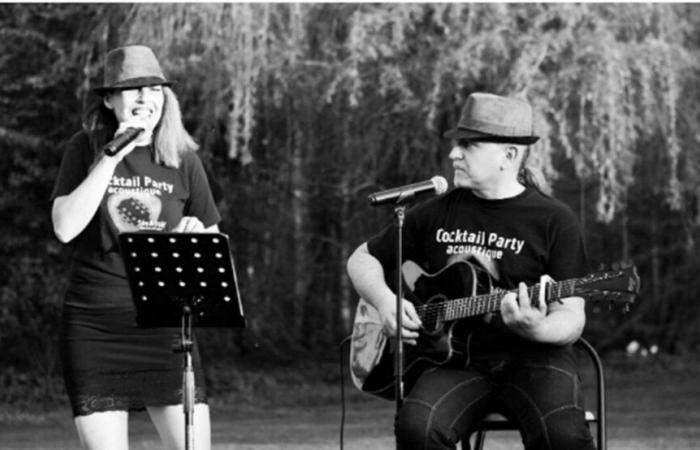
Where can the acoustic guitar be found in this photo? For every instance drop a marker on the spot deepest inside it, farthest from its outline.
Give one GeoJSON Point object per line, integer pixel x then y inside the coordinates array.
{"type": "Point", "coordinates": [442, 300]}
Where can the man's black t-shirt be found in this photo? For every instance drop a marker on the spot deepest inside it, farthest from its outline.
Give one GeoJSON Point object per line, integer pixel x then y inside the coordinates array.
{"type": "Point", "coordinates": [514, 239]}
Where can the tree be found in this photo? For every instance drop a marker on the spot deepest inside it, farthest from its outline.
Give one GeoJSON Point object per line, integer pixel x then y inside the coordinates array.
{"type": "Point", "coordinates": [304, 109]}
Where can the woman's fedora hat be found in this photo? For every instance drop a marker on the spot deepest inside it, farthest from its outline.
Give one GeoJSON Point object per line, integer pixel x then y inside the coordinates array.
{"type": "Point", "coordinates": [492, 118]}
{"type": "Point", "coordinates": [131, 67]}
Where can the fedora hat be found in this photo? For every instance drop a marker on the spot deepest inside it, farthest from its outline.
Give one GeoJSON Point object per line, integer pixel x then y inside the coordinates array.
{"type": "Point", "coordinates": [131, 67]}
{"type": "Point", "coordinates": [493, 118]}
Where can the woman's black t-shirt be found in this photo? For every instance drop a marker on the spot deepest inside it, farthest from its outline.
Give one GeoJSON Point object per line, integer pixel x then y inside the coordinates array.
{"type": "Point", "coordinates": [513, 240]}
{"type": "Point", "coordinates": [141, 195]}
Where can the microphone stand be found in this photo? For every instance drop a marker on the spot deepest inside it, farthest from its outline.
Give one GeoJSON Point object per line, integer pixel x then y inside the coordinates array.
{"type": "Point", "coordinates": [400, 214]}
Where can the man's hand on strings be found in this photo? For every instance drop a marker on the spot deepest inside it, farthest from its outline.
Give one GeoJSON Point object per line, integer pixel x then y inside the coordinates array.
{"type": "Point", "coordinates": [410, 321]}
{"type": "Point", "coordinates": [521, 313]}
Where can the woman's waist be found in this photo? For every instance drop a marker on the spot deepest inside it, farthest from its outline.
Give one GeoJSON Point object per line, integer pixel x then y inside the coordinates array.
{"type": "Point", "coordinates": [90, 285]}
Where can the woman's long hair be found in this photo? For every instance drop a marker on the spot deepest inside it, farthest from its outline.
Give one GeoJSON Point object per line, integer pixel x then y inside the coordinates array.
{"type": "Point", "coordinates": [170, 138]}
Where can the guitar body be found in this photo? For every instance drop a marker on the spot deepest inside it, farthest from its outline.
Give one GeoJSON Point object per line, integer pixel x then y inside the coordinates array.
{"type": "Point", "coordinates": [372, 351]}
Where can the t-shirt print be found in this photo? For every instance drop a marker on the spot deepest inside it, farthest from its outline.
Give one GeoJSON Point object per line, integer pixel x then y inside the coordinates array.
{"type": "Point", "coordinates": [134, 203]}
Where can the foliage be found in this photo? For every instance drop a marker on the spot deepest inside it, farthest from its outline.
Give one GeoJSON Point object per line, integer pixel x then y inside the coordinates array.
{"type": "Point", "coordinates": [37, 99]}
{"type": "Point", "coordinates": [304, 109]}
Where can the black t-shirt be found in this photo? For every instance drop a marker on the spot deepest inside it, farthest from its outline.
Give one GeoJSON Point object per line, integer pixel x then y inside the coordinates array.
{"type": "Point", "coordinates": [513, 240]}
{"type": "Point", "coordinates": [141, 195]}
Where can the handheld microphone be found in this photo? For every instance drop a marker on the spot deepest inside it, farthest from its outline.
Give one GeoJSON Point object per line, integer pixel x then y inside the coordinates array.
{"type": "Point", "coordinates": [398, 195]}
{"type": "Point", "coordinates": [115, 145]}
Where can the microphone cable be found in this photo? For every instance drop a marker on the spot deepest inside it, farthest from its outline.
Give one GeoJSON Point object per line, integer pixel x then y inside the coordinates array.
{"type": "Point", "coordinates": [342, 388]}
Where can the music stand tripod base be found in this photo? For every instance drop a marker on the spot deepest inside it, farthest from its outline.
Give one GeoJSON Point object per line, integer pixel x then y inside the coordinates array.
{"type": "Point", "coordinates": [185, 280]}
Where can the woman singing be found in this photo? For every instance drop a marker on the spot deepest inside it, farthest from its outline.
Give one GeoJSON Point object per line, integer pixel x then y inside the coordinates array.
{"type": "Point", "coordinates": [155, 183]}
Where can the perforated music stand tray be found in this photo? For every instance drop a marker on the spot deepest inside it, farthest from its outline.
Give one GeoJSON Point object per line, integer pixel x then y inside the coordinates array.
{"type": "Point", "coordinates": [182, 279]}
{"type": "Point", "coordinates": [168, 271]}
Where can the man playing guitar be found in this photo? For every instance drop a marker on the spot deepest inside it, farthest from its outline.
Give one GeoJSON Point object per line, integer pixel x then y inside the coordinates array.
{"type": "Point", "coordinates": [518, 362]}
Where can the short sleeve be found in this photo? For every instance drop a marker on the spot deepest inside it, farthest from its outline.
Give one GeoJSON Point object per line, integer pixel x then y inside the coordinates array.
{"type": "Point", "coordinates": [201, 201]}
{"type": "Point", "coordinates": [383, 245]}
{"type": "Point", "coordinates": [74, 167]}
{"type": "Point", "coordinates": [567, 254]}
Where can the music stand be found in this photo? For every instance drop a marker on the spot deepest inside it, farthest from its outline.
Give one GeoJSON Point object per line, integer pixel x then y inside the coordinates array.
{"type": "Point", "coordinates": [182, 279]}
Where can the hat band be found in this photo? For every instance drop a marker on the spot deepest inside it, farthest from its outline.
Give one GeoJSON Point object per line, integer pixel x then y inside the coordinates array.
{"type": "Point", "coordinates": [135, 82]}
{"type": "Point", "coordinates": [460, 133]}
{"type": "Point", "coordinates": [501, 139]}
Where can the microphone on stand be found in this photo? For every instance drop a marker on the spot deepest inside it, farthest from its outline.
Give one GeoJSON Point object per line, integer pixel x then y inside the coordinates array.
{"type": "Point", "coordinates": [435, 185]}
{"type": "Point", "coordinates": [114, 146]}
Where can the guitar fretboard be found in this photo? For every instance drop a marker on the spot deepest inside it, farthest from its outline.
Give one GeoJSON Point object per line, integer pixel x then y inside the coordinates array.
{"type": "Point", "coordinates": [461, 308]}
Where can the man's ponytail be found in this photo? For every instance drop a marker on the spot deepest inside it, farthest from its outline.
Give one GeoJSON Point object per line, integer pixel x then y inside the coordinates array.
{"type": "Point", "coordinates": [526, 176]}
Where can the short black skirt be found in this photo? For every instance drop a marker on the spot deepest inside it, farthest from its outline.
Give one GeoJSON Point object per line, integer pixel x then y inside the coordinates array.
{"type": "Point", "coordinates": [110, 364]}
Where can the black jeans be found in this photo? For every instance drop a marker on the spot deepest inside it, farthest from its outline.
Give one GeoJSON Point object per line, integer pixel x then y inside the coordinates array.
{"type": "Point", "coordinates": [542, 398]}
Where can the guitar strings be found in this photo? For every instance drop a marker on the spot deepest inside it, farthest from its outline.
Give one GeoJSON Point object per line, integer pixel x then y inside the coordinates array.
{"type": "Point", "coordinates": [472, 306]}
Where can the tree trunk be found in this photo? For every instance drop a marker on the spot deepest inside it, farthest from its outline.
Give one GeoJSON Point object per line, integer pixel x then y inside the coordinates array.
{"type": "Point", "coordinates": [656, 298]}
{"type": "Point", "coordinates": [624, 230]}
{"type": "Point", "coordinates": [299, 206]}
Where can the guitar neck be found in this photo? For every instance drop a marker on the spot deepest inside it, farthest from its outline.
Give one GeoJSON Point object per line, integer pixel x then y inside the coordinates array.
{"type": "Point", "coordinates": [461, 308]}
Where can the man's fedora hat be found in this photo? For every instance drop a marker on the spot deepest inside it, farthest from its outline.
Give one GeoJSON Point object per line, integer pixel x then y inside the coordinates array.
{"type": "Point", "coordinates": [131, 67]}
{"type": "Point", "coordinates": [492, 118]}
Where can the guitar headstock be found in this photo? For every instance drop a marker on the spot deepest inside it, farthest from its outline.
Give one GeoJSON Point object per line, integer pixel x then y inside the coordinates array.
{"type": "Point", "coordinates": [615, 286]}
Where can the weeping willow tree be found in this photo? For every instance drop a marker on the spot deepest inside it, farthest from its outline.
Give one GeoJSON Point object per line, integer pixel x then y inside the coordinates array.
{"type": "Point", "coordinates": [257, 70]}
{"type": "Point", "coordinates": [320, 104]}
{"type": "Point", "coordinates": [304, 109]}
{"type": "Point", "coordinates": [281, 70]}
{"type": "Point", "coordinates": [607, 82]}
{"type": "Point", "coordinates": [602, 77]}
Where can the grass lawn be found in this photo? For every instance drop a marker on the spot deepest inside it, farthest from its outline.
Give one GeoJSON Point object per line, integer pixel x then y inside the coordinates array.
{"type": "Point", "coordinates": [649, 407]}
